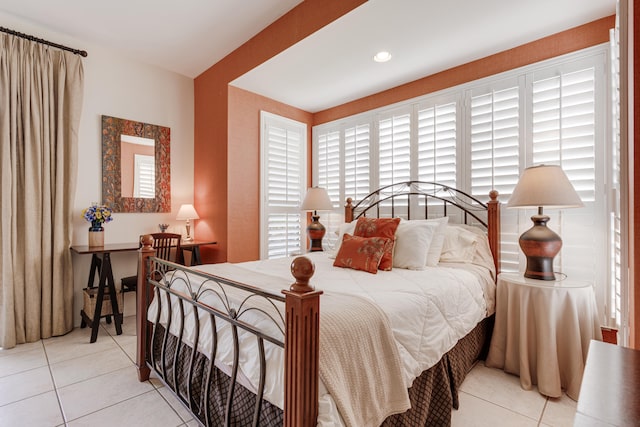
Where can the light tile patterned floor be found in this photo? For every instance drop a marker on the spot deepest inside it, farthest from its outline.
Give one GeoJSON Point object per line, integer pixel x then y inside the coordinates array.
{"type": "Point", "coordinates": [66, 381]}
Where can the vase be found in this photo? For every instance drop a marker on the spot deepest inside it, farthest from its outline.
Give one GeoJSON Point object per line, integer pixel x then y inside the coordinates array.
{"type": "Point", "coordinates": [96, 235]}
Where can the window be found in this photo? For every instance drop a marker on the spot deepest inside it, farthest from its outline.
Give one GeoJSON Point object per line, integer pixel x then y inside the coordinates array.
{"type": "Point", "coordinates": [481, 135]}
{"type": "Point", "coordinates": [283, 153]}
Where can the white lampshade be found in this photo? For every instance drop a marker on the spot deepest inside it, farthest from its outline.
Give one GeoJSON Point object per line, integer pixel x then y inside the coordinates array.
{"type": "Point", "coordinates": [544, 186]}
{"type": "Point", "coordinates": [316, 199]}
{"type": "Point", "coordinates": [187, 212]}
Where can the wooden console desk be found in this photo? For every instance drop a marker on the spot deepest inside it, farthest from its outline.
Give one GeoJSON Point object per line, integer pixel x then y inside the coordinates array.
{"type": "Point", "coordinates": [101, 264]}
{"type": "Point", "coordinates": [193, 246]}
{"type": "Point", "coordinates": [610, 387]}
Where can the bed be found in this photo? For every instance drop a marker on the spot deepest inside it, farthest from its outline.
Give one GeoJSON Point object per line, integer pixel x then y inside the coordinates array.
{"type": "Point", "coordinates": [277, 358]}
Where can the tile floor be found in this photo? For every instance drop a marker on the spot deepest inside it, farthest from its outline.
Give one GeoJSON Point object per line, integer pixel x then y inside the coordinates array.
{"type": "Point", "coordinates": [66, 381]}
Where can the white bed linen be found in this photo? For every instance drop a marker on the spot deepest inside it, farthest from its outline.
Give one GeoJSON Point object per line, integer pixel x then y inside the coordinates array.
{"type": "Point", "coordinates": [429, 311]}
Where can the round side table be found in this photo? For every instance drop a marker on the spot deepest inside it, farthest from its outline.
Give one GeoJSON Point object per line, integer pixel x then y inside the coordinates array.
{"type": "Point", "coordinates": [542, 332]}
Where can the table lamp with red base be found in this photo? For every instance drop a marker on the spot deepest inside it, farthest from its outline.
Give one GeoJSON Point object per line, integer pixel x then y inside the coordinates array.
{"type": "Point", "coordinates": [316, 200]}
{"type": "Point", "coordinates": [539, 187]}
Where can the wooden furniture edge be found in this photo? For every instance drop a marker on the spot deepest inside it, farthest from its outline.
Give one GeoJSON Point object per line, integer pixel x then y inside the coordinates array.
{"type": "Point", "coordinates": [301, 349]}
{"type": "Point", "coordinates": [493, 228]}
{"type": "Point", "coordinates": [142, 304]}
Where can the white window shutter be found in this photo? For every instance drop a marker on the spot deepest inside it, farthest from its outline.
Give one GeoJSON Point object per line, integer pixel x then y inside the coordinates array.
{"type": "Point", "coordinates": [495, 142]}
{"type": "Point", "coordinates": [564, 127]}
{"type": "Point", "coordinates": [327, 175]}
{"type": "Point", "coordinates": [495, 158]}
{"type": "Point", "coordinates": [394, 149]}
{"type": "Point", "coordinates": [283, 145]}
{"type": "Point", "coordinates": [437, 144]}
{"type": "Point", "coordinates": [357, 161]}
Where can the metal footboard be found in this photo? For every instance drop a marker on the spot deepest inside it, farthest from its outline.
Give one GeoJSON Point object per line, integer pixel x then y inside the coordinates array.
{"type": "Point", "coordinates": [176, 288]}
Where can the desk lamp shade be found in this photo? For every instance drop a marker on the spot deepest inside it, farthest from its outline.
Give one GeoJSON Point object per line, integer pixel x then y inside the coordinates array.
{"type": "Point", "coordinates": [316, 199]}
{"type": "Point", "coordinates": [543, 186]}
{"type": "Point", "coordinates": [187, 212]}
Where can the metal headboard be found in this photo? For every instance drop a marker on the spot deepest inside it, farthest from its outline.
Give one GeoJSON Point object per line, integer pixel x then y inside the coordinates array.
{"type": "Point", "coordinates": [404, 198]}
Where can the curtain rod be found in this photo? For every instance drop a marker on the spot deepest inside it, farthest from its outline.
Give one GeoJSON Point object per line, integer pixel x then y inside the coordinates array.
{"type": "Point", "coordinates": [82, 53]}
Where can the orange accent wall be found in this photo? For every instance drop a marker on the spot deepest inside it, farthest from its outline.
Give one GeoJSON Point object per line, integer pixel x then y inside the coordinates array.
{"type": "Point", "coordinates": [214, 176]}
{"type": "Point", "coordinates": [586, 35]}
{"type": "Point", "coordinates": [244, 179]}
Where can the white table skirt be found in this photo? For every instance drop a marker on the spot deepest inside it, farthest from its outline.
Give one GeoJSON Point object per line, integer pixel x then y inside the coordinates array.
{"type": "Point", "coordinates": [542, 332]}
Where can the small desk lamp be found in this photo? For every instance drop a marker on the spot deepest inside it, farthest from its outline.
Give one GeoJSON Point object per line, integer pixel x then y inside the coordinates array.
{"type": "Point", "coordinates": [316, 199]}
{"type": "Point", "coordinates": [187, 212]}
{"type": "Point", "coordinates": [542, 186]}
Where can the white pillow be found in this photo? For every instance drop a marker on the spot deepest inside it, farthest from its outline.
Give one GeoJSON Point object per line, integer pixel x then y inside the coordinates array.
{"type": "Point", "coordinates": [435, 249]}
{"type": "Point", "coordinates": [482, 255]}
{"type": "Point", "coordinates": [459, 245]}
{"type": "Point", "coordinates": [413, 239]}
{"type": "Point", "coordinates": [345, 228]}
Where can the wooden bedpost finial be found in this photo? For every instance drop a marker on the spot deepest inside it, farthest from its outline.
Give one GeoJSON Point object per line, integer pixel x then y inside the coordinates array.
{"type": "Point", "coordinates": [348, 210]}
{"type": "Point", "coordinates": [493, 195]}
{"type": "Point", "coordinates": [302, 269]}
{"type": "Point", "coordinates": [147, 241]}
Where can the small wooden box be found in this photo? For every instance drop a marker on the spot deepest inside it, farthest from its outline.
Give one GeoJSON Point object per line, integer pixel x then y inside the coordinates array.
{"type": "Point", "coordinates": [90, 298]}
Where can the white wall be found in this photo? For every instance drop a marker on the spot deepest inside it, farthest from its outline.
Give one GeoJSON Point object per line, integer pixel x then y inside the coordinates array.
{"type": "Point", "coordinates": [119, 86]}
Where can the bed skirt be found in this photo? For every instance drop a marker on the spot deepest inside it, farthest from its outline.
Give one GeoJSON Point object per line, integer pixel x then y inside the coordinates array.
{"type": "Point", "coordinates": [433, 394]}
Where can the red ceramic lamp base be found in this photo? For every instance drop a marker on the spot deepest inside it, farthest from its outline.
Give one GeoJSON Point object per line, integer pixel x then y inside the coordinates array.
{"type": "Point", "coordinates": [316, 232]}
{"type": "Point", "coordinates": [540, 245]}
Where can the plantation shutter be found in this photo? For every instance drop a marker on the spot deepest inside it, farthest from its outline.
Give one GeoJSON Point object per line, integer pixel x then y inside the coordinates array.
{"type": "Point", "coordinates": [563, 133]}
{"type": "Point", "coordinates": [357, 161]}
{"type": "Point", "coordinates": [437, 143]}
{"type": "Point", "coordinates": [283, 185]}
{"type": "Point", "coordinates": [616, 306]}
{"type": "Point", "coordinates": [327, 175]}
{"type": "Point", "coordinates": [495, 148]}
{"type": "Point", "coordinates": [394, 156]}
{"type": "Point", "coordinates": [394, 149]}
{"type": "Point", "coordinates": [328, 165]}
{"type": "Point", "coordinates": [495, 130]}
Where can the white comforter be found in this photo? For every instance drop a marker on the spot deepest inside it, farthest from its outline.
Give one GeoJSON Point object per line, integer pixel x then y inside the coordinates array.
{"type": "Point", "coordinates": [429, 311]}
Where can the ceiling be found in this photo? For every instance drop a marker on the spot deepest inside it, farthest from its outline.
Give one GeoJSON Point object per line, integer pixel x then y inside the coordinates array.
{"type": "Point", "coordinates": [328, 68]}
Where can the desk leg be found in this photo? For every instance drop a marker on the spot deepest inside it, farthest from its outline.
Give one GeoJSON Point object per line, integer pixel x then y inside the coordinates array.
{"type": "Point", "coordinates": [106, 280]}
{"type": "Point", "coordinates": [96, 266]}
{"type": "Point", "coordinates": [195, 256]}
{"type": "Point", "coordinates": [111, 286]}
{"type": "Point", "coordinates": [95, 322]}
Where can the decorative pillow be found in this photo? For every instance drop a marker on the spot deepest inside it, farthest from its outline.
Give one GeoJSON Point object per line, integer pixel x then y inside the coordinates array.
{"type": "Point", "coordinates": [379, 227]}
{"type": "Point", "coordinates": [435, 249]}
{"type": "Point", "coordinates": [413, 239]}
{"type": "Point", "coordinates": [361, 253]}
{"type": "Point", "coordinates": [459, 245]}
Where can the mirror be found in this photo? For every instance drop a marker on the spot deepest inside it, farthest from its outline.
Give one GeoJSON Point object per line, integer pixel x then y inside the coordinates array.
{"type": "Point", "coordinates": [135, 166]}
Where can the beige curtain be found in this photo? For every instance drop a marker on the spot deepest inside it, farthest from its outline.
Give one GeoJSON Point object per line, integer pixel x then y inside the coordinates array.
{"type": "Point", "coordinates": [40, 103]}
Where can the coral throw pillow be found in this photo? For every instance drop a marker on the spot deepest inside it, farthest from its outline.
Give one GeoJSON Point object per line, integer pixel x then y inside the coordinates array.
{"type": "Point", "coordinates": [361, 253]}
{"type": "Point", "coordinates": [379, 227]}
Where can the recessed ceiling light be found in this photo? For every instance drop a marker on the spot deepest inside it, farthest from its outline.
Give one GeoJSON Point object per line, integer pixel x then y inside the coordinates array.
{"type": "Point", "coordinates": [382, 56]}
